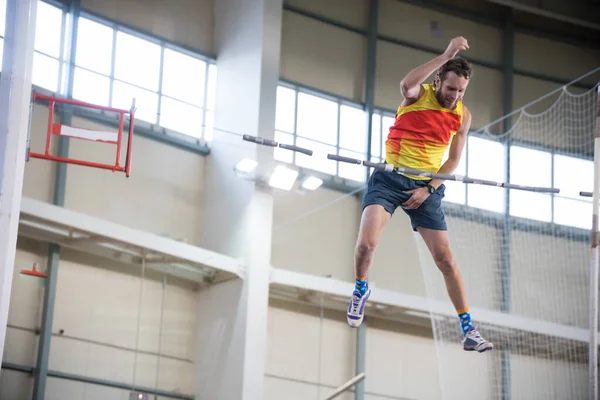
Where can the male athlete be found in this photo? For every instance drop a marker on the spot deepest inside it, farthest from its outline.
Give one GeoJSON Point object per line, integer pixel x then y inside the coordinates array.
{"type": "Point", "coordinates": [430, 118]}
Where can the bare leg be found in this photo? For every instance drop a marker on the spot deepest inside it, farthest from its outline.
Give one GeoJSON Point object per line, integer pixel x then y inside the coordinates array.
{"type": "Point", "coordinates": [374, 219]}
{"type": "Point", "coordinates": [439, 246]}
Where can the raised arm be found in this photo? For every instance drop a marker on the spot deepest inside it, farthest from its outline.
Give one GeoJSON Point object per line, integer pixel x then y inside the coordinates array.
{"type": "Point", "coordinates": [410, 86]}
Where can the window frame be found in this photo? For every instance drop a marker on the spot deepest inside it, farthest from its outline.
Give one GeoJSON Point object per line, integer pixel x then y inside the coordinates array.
{"type": "Point", "coordinates": [163, 44]}
{"type": "Point", "coordinates": [339, 101]}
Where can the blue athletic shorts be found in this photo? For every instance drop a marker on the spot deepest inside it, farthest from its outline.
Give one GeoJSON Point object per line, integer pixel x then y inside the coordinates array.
{"type": "Point", "coordinates": [388, 190]}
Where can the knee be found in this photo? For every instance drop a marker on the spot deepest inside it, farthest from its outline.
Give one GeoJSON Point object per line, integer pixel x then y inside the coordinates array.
{"type": "Point", "coordinates": [445, 262]}
{"type": "Point", "coordinates": [365, 246]}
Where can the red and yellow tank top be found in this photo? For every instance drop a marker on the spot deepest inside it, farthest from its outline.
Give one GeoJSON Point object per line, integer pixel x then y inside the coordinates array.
{"type": "Point", "coordinates": [422, 133]}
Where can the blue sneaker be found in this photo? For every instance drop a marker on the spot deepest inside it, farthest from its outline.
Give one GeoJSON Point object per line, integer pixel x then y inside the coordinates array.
{"type": "Point", "coordinates": [474, 342]}
{"type": "Point", "coordinates": [356, 308]}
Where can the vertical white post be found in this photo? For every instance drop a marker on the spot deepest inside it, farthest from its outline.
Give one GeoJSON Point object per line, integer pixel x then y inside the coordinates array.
{"type": "Point", "coordinates": [593, 349]}
{"type": "Point", "coordinates": [15, 93]}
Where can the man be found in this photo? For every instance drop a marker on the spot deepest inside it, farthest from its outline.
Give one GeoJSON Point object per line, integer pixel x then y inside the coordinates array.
{"type": "Point", "coordinates": [430, 118]}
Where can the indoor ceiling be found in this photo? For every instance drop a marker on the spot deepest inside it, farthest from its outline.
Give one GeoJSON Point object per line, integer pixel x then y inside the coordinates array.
{"type": "Point", "coordinates": [578, 20]}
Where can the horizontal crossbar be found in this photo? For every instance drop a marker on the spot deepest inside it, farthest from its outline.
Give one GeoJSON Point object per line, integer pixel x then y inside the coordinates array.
{"type": "Point", "coordinates": [272, 143]}
{"type": "Point", "coordinates": [49, 157]}
{"type": "Point", "coordinates": [401, 170]}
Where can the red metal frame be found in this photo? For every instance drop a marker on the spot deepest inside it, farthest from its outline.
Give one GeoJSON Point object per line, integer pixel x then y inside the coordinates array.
{"type": "Point", "coordinates": [52, 130]}
{"type": "Point", "coordinates": [34, 272]}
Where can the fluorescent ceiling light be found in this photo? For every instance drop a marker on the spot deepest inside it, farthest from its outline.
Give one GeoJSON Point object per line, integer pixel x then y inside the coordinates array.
{"type": "Point", "coordinates": [246, 165]}
{"type": "Point", "coordinates": [283, 178]}
{"type": "Point", "coordinates": [312, 183]}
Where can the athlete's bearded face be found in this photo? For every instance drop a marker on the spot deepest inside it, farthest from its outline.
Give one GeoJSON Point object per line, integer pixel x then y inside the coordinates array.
{"type": "Point", "coordinates": [450, 90]}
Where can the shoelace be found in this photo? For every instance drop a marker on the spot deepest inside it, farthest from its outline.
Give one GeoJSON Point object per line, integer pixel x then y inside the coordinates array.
{"type": "Point", "coordinates": [475, 333]}
{"type": "Point", "coordinates": [355, 301]}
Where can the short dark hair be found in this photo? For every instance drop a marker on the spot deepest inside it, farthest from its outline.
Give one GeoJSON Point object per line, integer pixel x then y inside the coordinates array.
{"type": "Point", "coordinates": [458, 65]}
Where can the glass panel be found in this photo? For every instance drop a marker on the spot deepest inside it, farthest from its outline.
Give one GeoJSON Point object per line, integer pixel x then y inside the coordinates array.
{"type": "Point", "coordinates": [47, 29]}
{"type": "Point", "coordinates": [181, 117]}
{"type": "Point", "coordinates": [146, 102]}
{"type": "Point", "coordinates": [318, 161]}
{"type": "Point", "coordinates": [537, 206]}
{"type": "Point", "coordinates": [533, 168]}
{"type": "Point", "coordinates": [283, 154]}
{"type": "Point", "coordinates": [486, 161]}
{"type": "Point", "coordinates": [317, 118]}
{"type": "Point", "coordinates": [137, 61]}
{"type": "Point", "coordinates": [386, 123]}
{"type": "Point", "coordinates": [90, 87]}
{"type": "Point", "coordinates": [2, 19]}
{"type": "Point", "coordinates": [573, 212]}
{"type": "Point", "coordinates": [212, 87]}
{"type": "Point", "coordinates": [354, 172]}
{"type": "Point", "coordinates": [376, 135]}
{"type": "Point", "coordinates": [455, 191]}
{"type": "Point", "coordinates": [184, 77]}
{"type": "Point", "coordinates": [94, 46]}
{"type": "Point", "coordinates": [285, 109]}
{"type": "Point", "coordinates": [45, 72]}
{"type": "Point", "coordinates": [573, 175]}
{"type": "Point", "coordinates": [353, 129]}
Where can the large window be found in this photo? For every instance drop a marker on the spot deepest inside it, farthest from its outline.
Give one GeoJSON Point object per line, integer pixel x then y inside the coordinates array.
{"type": "Point", "coordinates": [324, 125]}
{"type": "Point", "coordinates": [456, 192]}
{"type": "Point", "coordinates": [172, 88]}
{"type": "Point", "coordinates": [531, 168]}
{"type": "Point", "coordinates": [329, 125]}
{"type": "Point", "coordinates": [486, 160]}
{"type": "Point", "coordinates": [380, 126]}
{"type": "Point", "coordinates": [48, 45]}
{"type": "Point", "coordinates": [47, 57]}
{"type": "Point", "coordinates": [573, 175]}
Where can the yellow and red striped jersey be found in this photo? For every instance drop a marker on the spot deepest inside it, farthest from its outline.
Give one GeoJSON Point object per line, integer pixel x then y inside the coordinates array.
{"type": "Point", "coordinates": [422, 133]}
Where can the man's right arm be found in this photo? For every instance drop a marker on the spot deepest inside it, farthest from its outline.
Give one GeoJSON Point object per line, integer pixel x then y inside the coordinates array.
{"type": "Point", "coordinates": [411, 87]}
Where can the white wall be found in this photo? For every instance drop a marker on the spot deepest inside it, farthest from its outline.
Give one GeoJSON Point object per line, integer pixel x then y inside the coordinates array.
{"type": "Point", "coordinates": [295, 244]}
{"type": "Point", "coordinates": [181, 21]}
{"type": "Point", "coordinates": [163, 194]}
{"type": "Point", "coordinates": [411, 23]}
{"type": "Point", "coordinates": [39, 175]}
{"type": "Point", "coordinates": [305, 351]}
{"type": "Point", "coordinates": [327, 66]}
{"type": "Point", "coordinates": [476, 246]}
{"type": "Point", "coordinates": [530, 376]}
{"type": "Point", "coordinates": [401, 360]}
{"type": "Point", "coordinates": [96, 308]}
{"type": "Point", "coordinates": [552, 58]}
{"type": "Point", "coordinates": [351, 12]}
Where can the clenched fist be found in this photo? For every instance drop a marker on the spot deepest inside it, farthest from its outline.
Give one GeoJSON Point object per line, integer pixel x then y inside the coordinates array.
{"type": "Point", "coordinates": [456, 44]}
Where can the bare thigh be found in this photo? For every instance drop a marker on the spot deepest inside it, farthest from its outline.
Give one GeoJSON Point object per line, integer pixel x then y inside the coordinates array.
{"type": "Point", "coordinates": [437, 242]}
{"type": "Point", "coordinates": [373, 220]}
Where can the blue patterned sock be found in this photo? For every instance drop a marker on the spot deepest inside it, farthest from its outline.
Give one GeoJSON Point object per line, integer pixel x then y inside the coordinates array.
{"type": "Point", "coordinates": [465, 320]}
{"type": "Point", "coordinates": [361, 285]}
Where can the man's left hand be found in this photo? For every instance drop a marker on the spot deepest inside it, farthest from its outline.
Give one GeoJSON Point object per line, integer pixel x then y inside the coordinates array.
{"type": "Point", "coordinates": [418, 196]}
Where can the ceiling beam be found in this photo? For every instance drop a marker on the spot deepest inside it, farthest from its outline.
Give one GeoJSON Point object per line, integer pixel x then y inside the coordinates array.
{"type": "Point", "coordinates": [547, 14]}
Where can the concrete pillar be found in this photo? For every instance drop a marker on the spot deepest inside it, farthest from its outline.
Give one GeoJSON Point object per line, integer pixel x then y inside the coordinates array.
{"type": "Point", "coordinates": [237, 220]}
{"type": "Point", "coordinates": [15, 95]}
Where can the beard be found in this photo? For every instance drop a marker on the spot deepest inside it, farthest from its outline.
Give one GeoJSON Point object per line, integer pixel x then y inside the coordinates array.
{"type": "Point", "coordinates": [445, 103]}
